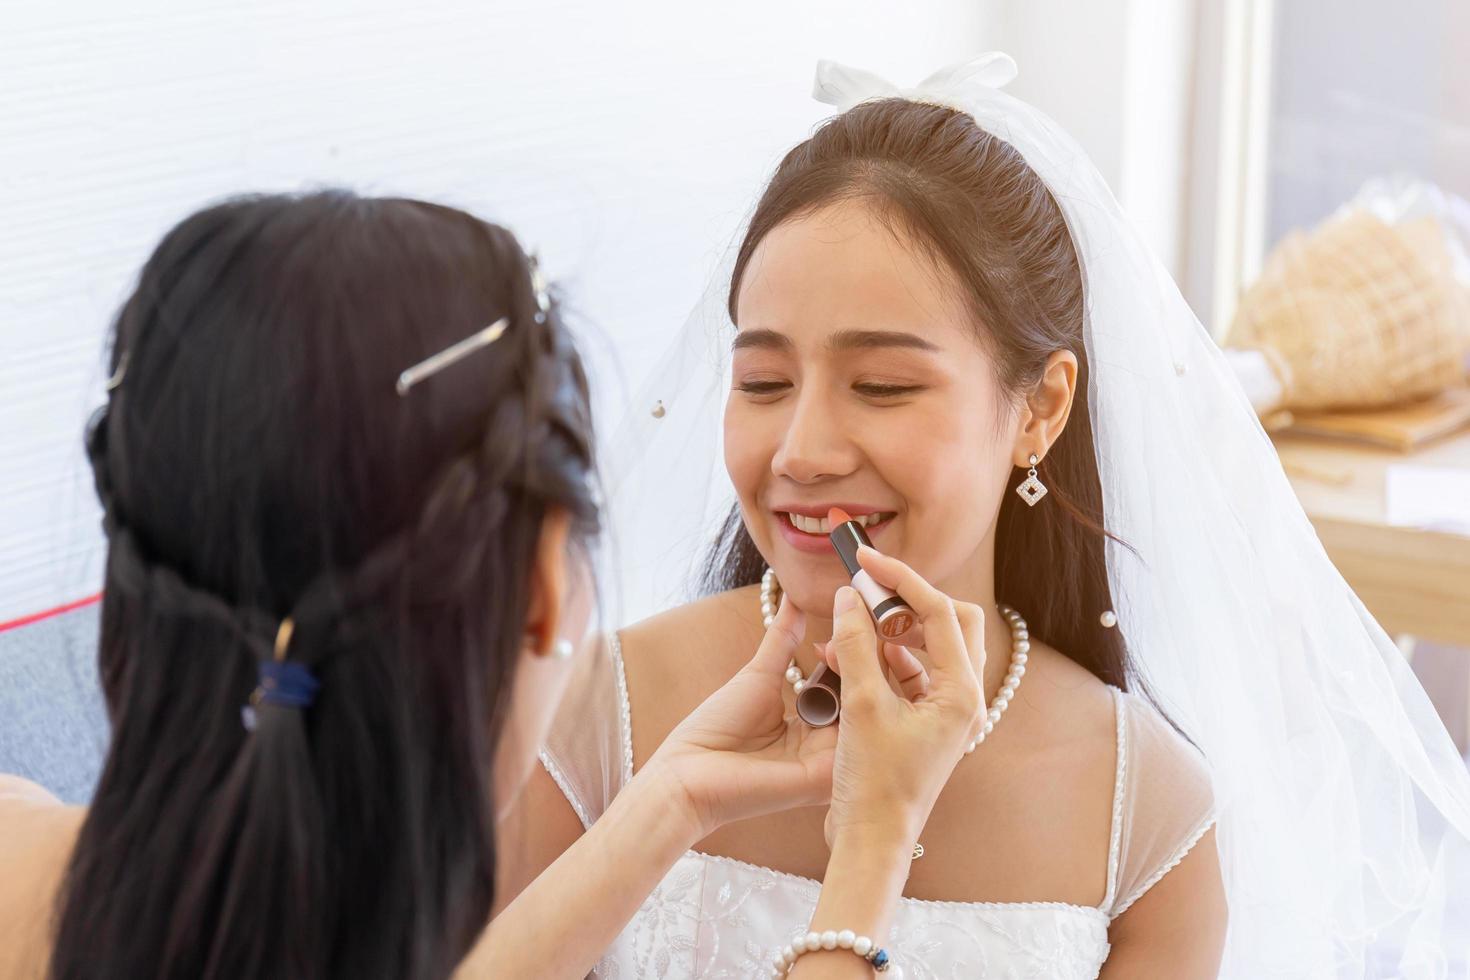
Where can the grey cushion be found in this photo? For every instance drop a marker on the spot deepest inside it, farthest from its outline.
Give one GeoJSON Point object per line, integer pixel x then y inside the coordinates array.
{"type": "Point", "coordinates": [53, 727]}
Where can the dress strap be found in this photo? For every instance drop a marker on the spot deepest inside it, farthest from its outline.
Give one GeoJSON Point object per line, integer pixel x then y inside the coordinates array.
{"type": "Point", "coordinates": [1163, 801]}
{"type": "Point", "coordinates": [1120, 771]}
{"type": "Point", "coordinates": [589, 747]}
{"type": "Point", "coordinates": [625, 709]}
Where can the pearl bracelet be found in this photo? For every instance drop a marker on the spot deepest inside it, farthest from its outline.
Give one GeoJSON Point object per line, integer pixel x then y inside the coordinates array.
{"type": "Point", "coordinates": [832, 939]}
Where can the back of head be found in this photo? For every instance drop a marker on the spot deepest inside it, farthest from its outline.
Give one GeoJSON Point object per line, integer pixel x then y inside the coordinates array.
{"type": "Point", "coordinates": [256, 465]}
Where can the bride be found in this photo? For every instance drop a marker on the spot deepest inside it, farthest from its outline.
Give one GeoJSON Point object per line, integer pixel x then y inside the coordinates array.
{"type": "Point", "coordinates": [1203, 757]}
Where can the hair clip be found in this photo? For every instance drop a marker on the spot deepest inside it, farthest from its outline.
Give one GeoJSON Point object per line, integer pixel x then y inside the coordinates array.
{"type": "Point", "coordinates": [115, 382]}
{"type": "Point", "coordinates": [538, 286]}
{"type": "Point", "coordinates": [284, 683]}
{"type": "Point", "coordinates": [433, 364]}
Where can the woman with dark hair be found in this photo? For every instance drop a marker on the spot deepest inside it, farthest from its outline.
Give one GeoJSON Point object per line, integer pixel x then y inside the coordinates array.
{"type": "Point", "coordinates": [908, 310]}
{"type": "Point", "coordinates": [944, 326]}
{"type": "Point", "coordinates": [346, 470]}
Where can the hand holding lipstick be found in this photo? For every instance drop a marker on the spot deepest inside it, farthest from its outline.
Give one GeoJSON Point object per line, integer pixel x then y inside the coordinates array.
{"type": "Point", "coordinates": [895, 619]}
{"type": "Point", "coordinates": [819, 701]}
{"type": "Point", "coordinates": [907, 670]}
{"type": "Point", "coordinates": [894, 754]}
{"type": "Point", "coordinates": [737, 755]}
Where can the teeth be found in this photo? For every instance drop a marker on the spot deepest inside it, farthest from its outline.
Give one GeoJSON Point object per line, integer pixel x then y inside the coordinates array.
{"type": "Point", "coordinates": [820, 525]}
{"type": "Point", "coordinates": [811, 525]}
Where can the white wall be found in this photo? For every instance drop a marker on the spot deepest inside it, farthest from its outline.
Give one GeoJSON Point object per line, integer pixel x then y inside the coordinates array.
{"type": "Point", "coordinates": [1117, 75]}
{"type": "Point", "coordinates": [621, 140]}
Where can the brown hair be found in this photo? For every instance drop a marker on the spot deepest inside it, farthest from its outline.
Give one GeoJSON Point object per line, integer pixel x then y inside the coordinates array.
{"type": "Point", "coordinates": [971, 199]}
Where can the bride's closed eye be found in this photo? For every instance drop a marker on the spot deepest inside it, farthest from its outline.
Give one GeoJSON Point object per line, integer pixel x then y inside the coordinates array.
{"type": "Point", "coordinates": [763, 390]}
{"type": "Point", "coordinates": [878, 390]}
{"type": "Point", "coordinates": [887, 391]}
{"type": "Point", "coordinates": [762, 387]}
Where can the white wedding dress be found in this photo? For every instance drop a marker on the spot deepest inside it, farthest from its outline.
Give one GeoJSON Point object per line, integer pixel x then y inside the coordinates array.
{"type": "Point", "coordinates": [715, 917]}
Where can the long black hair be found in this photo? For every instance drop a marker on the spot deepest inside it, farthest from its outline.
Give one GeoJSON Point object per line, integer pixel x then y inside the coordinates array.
{"type": "Point", "coordinates": [255, 463]}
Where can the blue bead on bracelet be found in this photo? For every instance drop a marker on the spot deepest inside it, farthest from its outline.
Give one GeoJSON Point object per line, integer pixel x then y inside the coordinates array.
{"type": "Point", "coordinates": [832, 939]}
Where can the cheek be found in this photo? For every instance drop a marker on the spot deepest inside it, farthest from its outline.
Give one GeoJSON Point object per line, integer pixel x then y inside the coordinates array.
{"type": "Point", "coordinates": [748, 451]}
{"type": "Point", "coordinates": [950, 469]}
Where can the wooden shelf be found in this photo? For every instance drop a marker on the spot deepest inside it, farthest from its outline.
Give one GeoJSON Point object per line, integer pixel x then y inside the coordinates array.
{"type": "Point", "coordinates": [1416, 582]}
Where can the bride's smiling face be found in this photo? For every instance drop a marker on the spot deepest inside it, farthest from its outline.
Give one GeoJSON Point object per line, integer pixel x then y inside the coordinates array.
{"type": "Point", "coordinates": [858, 382]}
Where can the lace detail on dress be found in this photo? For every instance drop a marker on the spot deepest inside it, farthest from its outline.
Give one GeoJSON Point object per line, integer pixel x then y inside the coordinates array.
{"type": "Point", "coordinates": [936, 903]}
{"type": "Point", "coordinates": [714, 918]}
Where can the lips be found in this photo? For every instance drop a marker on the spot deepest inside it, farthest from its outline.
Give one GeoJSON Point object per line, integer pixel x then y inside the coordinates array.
{"type": "Point", "coordinates": [806, 527]}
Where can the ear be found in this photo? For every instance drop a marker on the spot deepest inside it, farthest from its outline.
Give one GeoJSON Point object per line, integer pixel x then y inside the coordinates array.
{"type": "Point", "coordinates": [1046, 410]}
{"type": "Point", "coordinates": [550, 576]}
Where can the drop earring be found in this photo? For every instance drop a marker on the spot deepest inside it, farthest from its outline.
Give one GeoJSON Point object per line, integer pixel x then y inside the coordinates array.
{"type": "Point", "coordinates": [1032, 489]}
{"type": "Point", "coordinates": [563, 650]}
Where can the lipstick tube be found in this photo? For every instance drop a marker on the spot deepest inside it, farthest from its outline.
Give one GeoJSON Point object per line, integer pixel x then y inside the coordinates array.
{"type": "Point", "coordinates": [820, 699]}
{"type": "Point", "coordinates": [896, 620]}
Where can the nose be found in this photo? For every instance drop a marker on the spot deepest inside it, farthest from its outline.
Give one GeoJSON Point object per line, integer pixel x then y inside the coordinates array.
{"type": "Point", "coordinates": [815, 445]}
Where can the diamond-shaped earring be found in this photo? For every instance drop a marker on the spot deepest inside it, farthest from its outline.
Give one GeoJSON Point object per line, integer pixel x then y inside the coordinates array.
{"type": "Point", "coordinates": [1032, 489]}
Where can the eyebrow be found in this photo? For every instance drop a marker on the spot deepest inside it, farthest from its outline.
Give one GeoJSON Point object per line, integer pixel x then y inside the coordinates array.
{"type": "Point", "coordinates": [843, 340]}
{"type": "Point", "coordinates": [877, 339]}
{"type": "Point", "coordinates": [761, 340]}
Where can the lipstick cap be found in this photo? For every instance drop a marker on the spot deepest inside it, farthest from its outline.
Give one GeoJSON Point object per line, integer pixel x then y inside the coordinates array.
{"type": "Point", "coordinates": [820, 700]}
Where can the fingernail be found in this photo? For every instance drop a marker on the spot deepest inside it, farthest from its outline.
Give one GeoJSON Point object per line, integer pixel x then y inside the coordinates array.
{"type": "Point", "coordinates": [847, 598]}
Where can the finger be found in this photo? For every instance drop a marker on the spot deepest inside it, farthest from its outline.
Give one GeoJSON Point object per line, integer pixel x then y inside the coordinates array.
{"type": "Point", "coordinates": [826, 656]}
{"type": "Point", "coordinates": [972, 627]}
{"type": "Point", "coordinates": [778, 647]}
{"type": "Point", "coordinates": [915, 638]}
{"type": "Point", "coordinates": [907, 670]}
{"type": "Point", "coordinates": [853, 642]}
{"type": "Point", "coordinates": [943, 639]}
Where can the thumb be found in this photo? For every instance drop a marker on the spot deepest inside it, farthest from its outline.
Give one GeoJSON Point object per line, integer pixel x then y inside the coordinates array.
{"type": "Point", "coordinates": [854, 644]}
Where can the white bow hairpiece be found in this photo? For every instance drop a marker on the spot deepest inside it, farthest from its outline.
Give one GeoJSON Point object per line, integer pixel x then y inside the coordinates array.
{"type": "Point", "coordinates": [844, 87]}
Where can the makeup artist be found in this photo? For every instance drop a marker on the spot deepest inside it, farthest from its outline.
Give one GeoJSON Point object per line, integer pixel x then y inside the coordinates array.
{"type": "Point", "coordinates": [345, 466]}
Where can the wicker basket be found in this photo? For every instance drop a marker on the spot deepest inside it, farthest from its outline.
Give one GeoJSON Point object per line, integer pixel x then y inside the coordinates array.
{"type": "Point", "coordinates": [1359, 314]}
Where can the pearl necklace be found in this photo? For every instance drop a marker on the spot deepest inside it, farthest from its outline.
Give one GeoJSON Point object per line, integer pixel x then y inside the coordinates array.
{"type": "Point", "coordinates": [1020, 653]}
